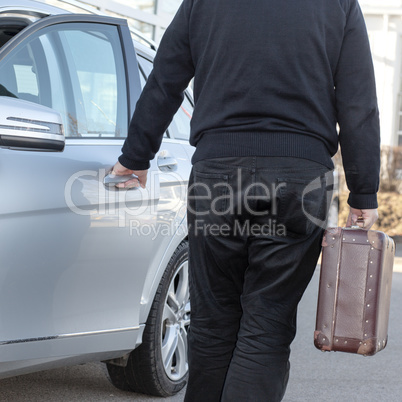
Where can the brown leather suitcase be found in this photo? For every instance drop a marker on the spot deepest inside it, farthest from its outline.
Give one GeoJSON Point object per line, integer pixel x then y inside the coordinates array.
{"type": "Point", "coordinates": [354, 291]}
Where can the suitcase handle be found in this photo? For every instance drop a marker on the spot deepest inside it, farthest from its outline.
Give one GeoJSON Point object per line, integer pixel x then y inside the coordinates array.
{"type": "Point", "coordinates": [359, 219]}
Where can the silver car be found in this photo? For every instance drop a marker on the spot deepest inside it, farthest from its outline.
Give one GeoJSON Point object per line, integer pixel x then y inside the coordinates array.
{"type": "Point", "coordinates": [88, 272]}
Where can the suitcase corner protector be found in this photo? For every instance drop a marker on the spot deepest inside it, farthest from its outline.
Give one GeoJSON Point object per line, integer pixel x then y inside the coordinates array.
{"type": "Point", "coordinates": [321, 341]}
{"type": "Point", "coordinates": [370, 347]}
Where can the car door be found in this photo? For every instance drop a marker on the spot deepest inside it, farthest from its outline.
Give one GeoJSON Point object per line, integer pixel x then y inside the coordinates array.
{"type": "Point", "coordinates": [75, 254]}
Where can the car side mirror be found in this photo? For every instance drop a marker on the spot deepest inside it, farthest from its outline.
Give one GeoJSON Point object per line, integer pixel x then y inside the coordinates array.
{"type": "Point", "coordinates": [29, 126]}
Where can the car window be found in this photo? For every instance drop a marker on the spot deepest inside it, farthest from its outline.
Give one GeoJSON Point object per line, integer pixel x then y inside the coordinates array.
{"type": "Point", "coordinates": [180, 126]}
{"type": "Point", "coordinates": [76, 69]}
{"type": "Point", "coordinates": [145, 65]}
{"type": "Point", "coordinates": [143, 79]}
{"type": "Point", "coordinates": [22, 75]}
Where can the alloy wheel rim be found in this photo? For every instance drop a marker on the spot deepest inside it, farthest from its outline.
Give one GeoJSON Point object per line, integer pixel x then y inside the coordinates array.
{"type": "Point", "coordinates": [175, 325]}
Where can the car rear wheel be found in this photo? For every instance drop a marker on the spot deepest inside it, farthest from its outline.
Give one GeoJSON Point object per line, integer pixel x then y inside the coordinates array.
{"type": "Point", "coordinates": [159, 365]}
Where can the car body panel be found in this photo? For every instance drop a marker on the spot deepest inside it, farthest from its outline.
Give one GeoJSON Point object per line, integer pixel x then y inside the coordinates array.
{"type": "Point", "coordinates": [80, 262]}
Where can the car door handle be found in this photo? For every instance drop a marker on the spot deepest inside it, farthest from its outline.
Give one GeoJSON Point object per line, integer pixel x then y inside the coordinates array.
{"type": "Point", "coordinates": [167, 162]}
{"type": "Point", "coordinates": [110, 180]}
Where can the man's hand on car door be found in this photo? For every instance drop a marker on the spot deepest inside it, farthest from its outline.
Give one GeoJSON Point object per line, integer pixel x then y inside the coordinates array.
{"type": "Point", "coordinates": [120, 170]}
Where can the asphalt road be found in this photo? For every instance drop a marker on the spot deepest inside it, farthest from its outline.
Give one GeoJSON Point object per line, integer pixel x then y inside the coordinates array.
{"type": "Point", "coordinates": [315, 376]}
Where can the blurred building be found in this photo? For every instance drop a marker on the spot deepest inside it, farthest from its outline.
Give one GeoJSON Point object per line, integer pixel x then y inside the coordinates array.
{"type": "Point", "coordinates": [384, 24]}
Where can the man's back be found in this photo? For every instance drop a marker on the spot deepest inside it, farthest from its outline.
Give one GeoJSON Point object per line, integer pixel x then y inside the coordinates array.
{"type": "Point", "coordinates": [271, 78]}
{"type": "Point", "coordinates": [266, 65]}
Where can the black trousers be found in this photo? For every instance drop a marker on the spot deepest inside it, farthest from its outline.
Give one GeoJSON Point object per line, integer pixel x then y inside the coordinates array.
{"type": "Point", "coordinates": [255, 230]}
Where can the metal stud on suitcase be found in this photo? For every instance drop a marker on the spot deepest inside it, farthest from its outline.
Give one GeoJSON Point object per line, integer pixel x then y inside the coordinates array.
{"type": "Point", "coordinates": [354, 291]}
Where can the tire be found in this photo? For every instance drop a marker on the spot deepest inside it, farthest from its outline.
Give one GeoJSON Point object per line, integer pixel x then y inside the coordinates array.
{"type": "Point", "coordinates": [117, 376]}
{"type": "Point", "coordinates": [159, 365]}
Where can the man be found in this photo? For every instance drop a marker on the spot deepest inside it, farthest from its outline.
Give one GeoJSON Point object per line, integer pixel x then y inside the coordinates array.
{"type": "Point", "coordinates": [271, 81]}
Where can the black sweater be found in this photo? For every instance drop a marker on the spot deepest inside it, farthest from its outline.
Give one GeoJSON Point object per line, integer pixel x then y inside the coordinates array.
{"type": "Point", "coordinates": [271, 78]}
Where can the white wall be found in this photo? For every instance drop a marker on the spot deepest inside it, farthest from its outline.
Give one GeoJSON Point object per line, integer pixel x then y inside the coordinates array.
{"type": "Point", "coordinates": [384, 25]}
